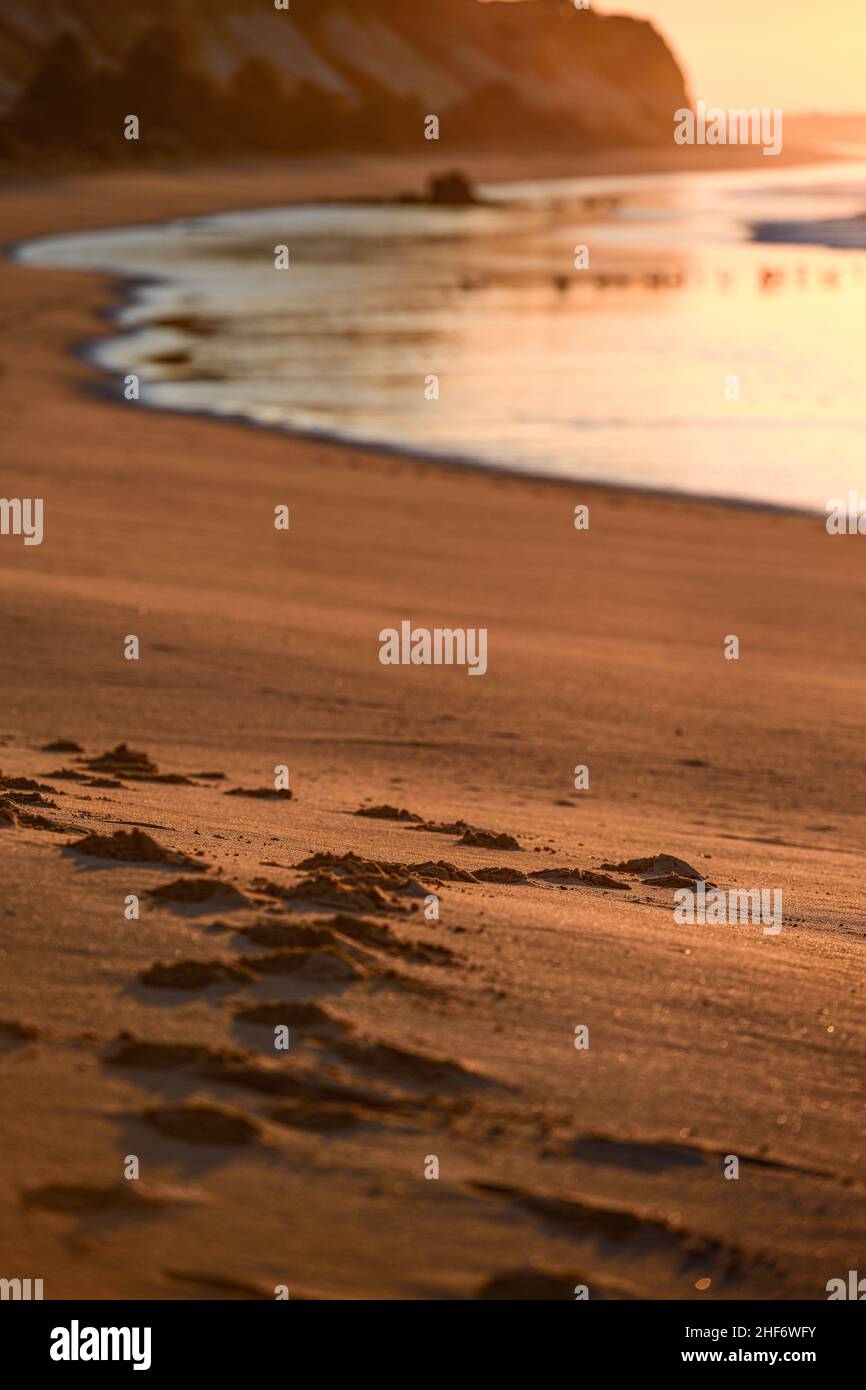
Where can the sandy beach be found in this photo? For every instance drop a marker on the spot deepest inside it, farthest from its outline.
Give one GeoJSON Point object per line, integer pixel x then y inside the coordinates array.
{"type": "Point", "coordinates": [411, 1038]}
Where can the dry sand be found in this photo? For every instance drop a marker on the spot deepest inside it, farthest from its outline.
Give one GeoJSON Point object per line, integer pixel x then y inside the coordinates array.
{"type": "Point", "coordinates": [409, 1038]}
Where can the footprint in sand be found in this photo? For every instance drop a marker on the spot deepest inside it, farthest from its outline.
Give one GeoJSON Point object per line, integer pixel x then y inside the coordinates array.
{"type": "Point", "coordinates": [203, 1124]}
{"type": "Point", "coordinates": [622, 1224]}
{"type": "Point", "coordinates": [414, 1068]}
{"type": "Point", "coordinates": [127, 1050]}
{"type": "Point", "coordinates": [262, 793]}
{"type": "Point", "coordinates": [318, 1116]}
{"type": "Point", "coordinates": [220, 1065]}
{"type": "Point", "coordinates": [284, 934]}
{"type": "Point", "coordinates": [380, 937]}
{"type": "Point", "coordinates": [194, 974]}
{"type": "Point", "coordinates": [325, 966]}
{"type": "Point", "coordinates": [517, 1285]}
{"type": "Point", "coordinates": [652, 1156]}
{"type": "Point", "coordinates": [310, 1097]}
{"type": "Point", "coordinates": [310, 1019]}
{"type": "Point", "coordinates": [337, 929]}
{"type": "Point", "coordinates": [16, 1033]}
{"type": "Point", "coordinates": [324, 1103]}
{"type": "Point", "coordinates": [92, 1198]}
{"type": "Point", "coordinates": [340, 950]}
{"type": "Point", "coordinates": [221, 1284]}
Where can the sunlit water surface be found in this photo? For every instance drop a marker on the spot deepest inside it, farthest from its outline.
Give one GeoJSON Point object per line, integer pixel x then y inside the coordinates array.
{"type": "Point", "coordinates": [621, 372]}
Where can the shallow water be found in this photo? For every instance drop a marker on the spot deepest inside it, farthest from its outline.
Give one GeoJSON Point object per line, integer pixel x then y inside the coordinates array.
{"type": "Point", "coordinates": [619, 373]}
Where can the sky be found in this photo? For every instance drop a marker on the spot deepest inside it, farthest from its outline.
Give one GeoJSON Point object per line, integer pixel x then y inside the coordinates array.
{"type": "Point", "coordinates": [800, 55]}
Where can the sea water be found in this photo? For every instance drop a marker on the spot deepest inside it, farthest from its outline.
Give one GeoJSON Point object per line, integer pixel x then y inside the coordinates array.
{"type": "Point", "coordinates": [714, 345]}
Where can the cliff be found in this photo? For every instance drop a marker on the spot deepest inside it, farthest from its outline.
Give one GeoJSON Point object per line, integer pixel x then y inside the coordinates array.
{"type": "Point", "coordinates": [210, 77]}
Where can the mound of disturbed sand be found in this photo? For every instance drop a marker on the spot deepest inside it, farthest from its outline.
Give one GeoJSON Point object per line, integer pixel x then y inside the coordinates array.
{"type": "Point", "coordinates": [500, 873]}
{"type": "Point", "coordinates": [445, 827]}
{"type": "Point", "coordinates": [489, 839]}
{"type": "Point", "coordinates": [442, 871]}
{"type": "Point", "coordinates": [589, 876]}
{"type": "Point", "coordinates": [30, 799]}
{"type": "Point", "coordinates": [132, 847]}
{"type": "Point", "coordinates": [12, 815]}
{"type": "Point", "coordinates": [199, 891]}
{"type": "Point", "coordinates": [669, 881]}
{"type": "Point", "coordinates": [24, 784]}
{"type": "Point", "coordinates": [393, 875]}
{"type": "Point", "coordinates": [387, 813]}
{"type": "Point", "coordinates": [331, 890]}
{"type": "Point", "coordinates": [123, 760]}
{"type": "Point", "coordinates": [656, 864]}
{"type": "Point", "coordinates": [351, 867]}
{"type": "Point", "coordinates": [134, 765]}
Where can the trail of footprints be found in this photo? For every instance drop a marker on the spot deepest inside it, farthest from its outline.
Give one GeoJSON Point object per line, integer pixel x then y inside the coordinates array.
{"type": "Point", "coordinates": [338, 1080]}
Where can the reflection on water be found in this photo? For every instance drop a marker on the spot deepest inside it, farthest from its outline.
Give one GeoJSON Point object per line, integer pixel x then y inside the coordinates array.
{"type": "Point", "coordinates": [621, 372]}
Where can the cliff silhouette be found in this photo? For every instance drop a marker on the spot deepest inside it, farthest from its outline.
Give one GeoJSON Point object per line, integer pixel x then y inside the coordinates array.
{"type": "Point", "coordinates": [209, 78]}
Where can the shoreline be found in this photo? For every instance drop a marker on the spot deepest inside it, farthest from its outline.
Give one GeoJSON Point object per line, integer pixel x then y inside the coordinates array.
{"type": "Point", "coordinates": [453, 463]}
